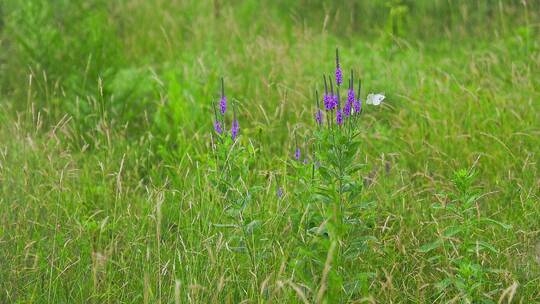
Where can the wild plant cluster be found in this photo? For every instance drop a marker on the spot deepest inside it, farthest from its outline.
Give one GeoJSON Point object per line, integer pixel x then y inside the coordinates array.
{"type": "Point", "coordinates": [325, 167]}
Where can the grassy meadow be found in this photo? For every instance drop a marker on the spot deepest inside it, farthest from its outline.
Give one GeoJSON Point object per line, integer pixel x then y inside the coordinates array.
{"type": "Point", "coordinates": [115, 188]}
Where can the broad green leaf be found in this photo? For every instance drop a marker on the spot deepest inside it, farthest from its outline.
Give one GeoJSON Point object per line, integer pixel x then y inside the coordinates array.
{"type": "Point", "coordinates": [430, 246]}
{"type": "Point", "coordinates": [486, 246]}
{"type": "Point", "coordinates": [452, 230]}
{"type": "Point", "coordinates": [503, 225]}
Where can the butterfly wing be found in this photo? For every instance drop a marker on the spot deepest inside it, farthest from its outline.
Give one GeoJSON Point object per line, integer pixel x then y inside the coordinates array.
{"type": "Point", "coordinates": [378, 98]}
{"type": "Point", "coordinates": [375, 99]}
{"type": "Point", "coordinates": [369, 99]}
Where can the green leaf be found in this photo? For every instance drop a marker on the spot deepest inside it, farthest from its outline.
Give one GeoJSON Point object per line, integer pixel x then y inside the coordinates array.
{"type": "Point", "coordinates": [452, 230]}
{"type": "Point", "coordinates": [434, 258]}
{"type": "Point", "coordinates": [225, 225]}
{"type": "Point", "coordinates": [324, 173]}
{"type": "Point", "coordinates": [442, 285]}
{"type": "Point", "coordinates": [348, 156]}
{"type": "Point", "coordinates": [333, 160]}
{"type": "Point", "coordinates": [356, 189]}
{"type": "Point", "coordinates": [487, 246]}
{"type": "Point", "coordinates": [470, 201]}
{"type": "Point", "coordinates": [362, 205]}
{"type": "Point", "coordinates": [430, 246]}
{"type": "Point", "coordinates": [437, 206]}
{"type": "Point", "coordinates": [322, 197]}
{"type": "Point", "coordinates": [252, 226]}
{"type": "Point", "coordinates": [503, 225]}
{"type": "Point", "coordinates": [354, 145]}
{"type": "Point", "coordinates": [354, 168]}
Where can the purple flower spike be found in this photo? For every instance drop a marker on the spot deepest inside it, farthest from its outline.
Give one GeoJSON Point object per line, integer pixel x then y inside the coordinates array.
{"type": "Point", "coordinates": [223, 100]}
{"type": "Point", "coordinates": [318, 117]}
{"type": "Point", "coordinates": [279, 192]}
{"type": "Point", "coordinates": [297, 153]}
{"type": "Point", "coordinates": [318, 114]}
{"type": "Point", "coordinates": [327, 102]}
{"type": "Point", "coordinates": [327, 98]}
{"type": "Point", "coordinates": [347, 109]}
{"type": "Point", "coordinates": [358, 102]}
{"type": "Point", "coordinates": [333, 99]}
{"type": "Point", "coordinates": [339, 74]}
{"type": "Point", "coordinates": [223, 105]}
{"type": "Point", "coordinates": [349, 104]}
{"type": "Point", "coordinates": [234, 129]}
{"type": "Point", "coordinates": [217, 127]}
{"type": "Point", "coordinates": [335, 103]}
{"type": "Point", "coordinates": [357, 106]}
{"type": "Point", "coordinates": [339, 117]}
{"type": "Point", "coordinates": [350, 96]}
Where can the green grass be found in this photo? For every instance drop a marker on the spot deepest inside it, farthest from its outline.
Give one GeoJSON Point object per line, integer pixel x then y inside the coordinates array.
{"type": "Point", "coordinates": [107, 179]}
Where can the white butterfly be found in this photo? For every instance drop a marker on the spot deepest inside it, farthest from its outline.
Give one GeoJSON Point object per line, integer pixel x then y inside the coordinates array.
{"type": "Point", "coordinates": [375, 99]}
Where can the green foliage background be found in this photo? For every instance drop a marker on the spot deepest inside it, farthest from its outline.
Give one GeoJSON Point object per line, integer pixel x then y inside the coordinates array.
{"type": "Point", "coordinates": [105, 182]}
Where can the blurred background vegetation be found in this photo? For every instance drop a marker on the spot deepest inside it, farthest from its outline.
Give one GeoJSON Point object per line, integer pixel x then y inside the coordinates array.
{"type": "Point", "coordinates": [132, 59]}
{"type": "Point", "coordinates": [106, 109]}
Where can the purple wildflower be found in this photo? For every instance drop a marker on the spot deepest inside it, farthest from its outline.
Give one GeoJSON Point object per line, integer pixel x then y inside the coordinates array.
{"type": "Point", "coordinates": [217, 127]}
{"type": "Point", "coordinates": [297, 153]}
{"type": "Point", "coordinates": [335, 101]}
{"type": "Point", "coordinates": [234, 129]}
{"type": "Point", "coordinates": [223, 105]}
{"type": "Point", "coordinates": [347, 109]}
{"type": "Point", "coordinates": [327, 100]}
{"type": "Point", "coordinates": [326, 97]}
{"type": "Point", "coordinates": [318, 117]}
{"type": "Point", "coordinates": [279, 192]}
{"type": "Point", "coordinates": [339, 74]}
{"type": "Point", "coordinates": [223, 100]}
{"type": "Point", "coordinates": [339, 117]}
{"type": "Point", "coordinates": [318, 114]}
{"type": "Point", "coordinates": [349, 104]}
{"type": "Point", "coordinates": [357, 105]}
{"type": "Point", "coordinates": [358, 102]}
{"type": "Point", "coordinates": [350, 96]}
